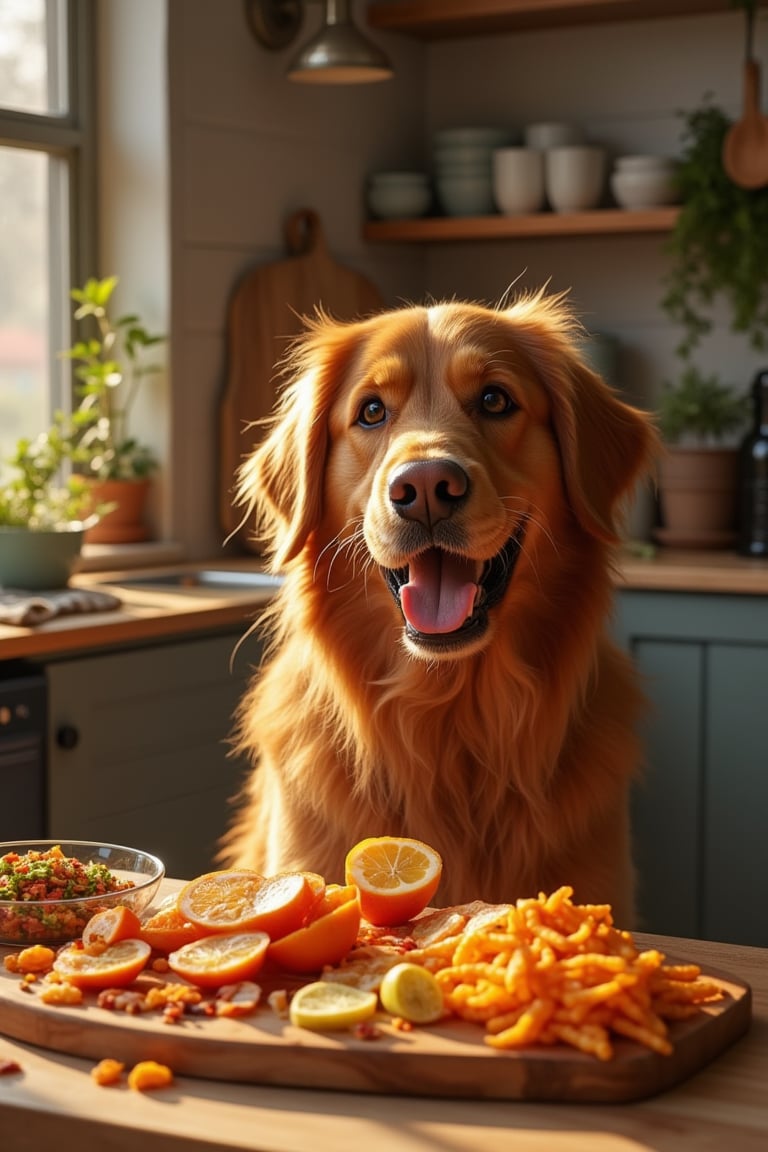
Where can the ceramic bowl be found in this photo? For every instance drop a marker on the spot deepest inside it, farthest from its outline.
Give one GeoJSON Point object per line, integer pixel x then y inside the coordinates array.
{"type": "Point", "coordinates": [55, 921]}
{"type": "Point", "coordinates": [465, 195]}
{"type": "Point", "coordinates": [644, 163]}
{"type": "Point", "coordinates": [552, 134]}
{"type": "Point", "coordinates": [399, 196]}
{"type": "Point", "coordinates": [460, 138]}
{"type": "Point", "coordinates": [644, 188]}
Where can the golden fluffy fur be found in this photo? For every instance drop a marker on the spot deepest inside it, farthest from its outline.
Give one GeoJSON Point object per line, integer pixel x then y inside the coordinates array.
{"type": "Point", "coordinates": [415, 446]}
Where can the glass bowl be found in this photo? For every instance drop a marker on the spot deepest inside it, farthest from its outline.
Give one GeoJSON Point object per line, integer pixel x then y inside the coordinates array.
{"type": "Point", "coordinates": [54, 921]}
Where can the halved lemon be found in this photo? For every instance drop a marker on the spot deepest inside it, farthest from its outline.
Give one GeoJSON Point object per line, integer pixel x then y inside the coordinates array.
{"type": "Point", "coordinates": [330, 1007]}
{"type": "Point", "coordinates": [115, 967]}
{"type": "Point", "coordinates": [396, 876]}
{"type": "Point", "coordinates": [413, 993]}
{"type": "Point", "coordinates": [220, 959]}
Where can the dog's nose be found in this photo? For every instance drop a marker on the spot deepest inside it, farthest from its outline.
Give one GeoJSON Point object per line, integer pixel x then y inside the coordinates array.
{"type": "Point", "coordinates": [428, 490]}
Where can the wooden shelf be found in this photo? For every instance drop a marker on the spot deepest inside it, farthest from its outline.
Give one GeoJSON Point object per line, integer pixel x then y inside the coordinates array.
{"type": "Point", "coordinates": [608, 221]}
{"type": "Point", "coordinates": [441, 19]}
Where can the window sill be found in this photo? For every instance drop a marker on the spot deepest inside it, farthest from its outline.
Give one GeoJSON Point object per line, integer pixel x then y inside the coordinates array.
{"type": "Point", "coordinates": [108, 557]}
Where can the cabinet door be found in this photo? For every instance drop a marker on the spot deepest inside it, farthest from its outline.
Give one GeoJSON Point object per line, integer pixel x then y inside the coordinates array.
{"type": "Point", "coordinates": [666, 802]}
{"type": "Point", "coordinates": [138, 747]}
{"type": "Point", "coordinates": [699, 815]}
{"type": "Point", "coordinates": [736, 795]}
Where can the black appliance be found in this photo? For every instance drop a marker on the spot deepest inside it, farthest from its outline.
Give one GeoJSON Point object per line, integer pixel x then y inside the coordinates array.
{"type": "Point", "coordinates": [23, 757]}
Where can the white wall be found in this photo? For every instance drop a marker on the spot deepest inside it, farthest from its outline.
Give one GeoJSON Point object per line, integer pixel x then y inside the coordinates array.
{"type": "Point", "coordinates": [246, 148]}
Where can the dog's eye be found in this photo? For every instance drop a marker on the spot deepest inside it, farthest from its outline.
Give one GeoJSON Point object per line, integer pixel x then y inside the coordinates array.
{"type": "Point", "coordinates": [371, 413]}
{"type": "Point", "coordinates": [495, 401]}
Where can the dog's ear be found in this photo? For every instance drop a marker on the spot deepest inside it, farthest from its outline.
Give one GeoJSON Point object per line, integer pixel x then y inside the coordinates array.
{"type": "Point", "coordinates": [606, 445]}
{"type": "Point", "coordinates": [281, 482]}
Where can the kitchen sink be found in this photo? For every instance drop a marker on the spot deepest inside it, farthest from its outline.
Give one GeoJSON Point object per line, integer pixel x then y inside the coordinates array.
{"type": "Point", "coordinates": [220, 579]}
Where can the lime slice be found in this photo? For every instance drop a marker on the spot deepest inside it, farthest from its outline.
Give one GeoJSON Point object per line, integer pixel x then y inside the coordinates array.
{"type": "Point", "coordinates": [327, 1007]}
{"type": "Point", "coordinates": [413, 993]}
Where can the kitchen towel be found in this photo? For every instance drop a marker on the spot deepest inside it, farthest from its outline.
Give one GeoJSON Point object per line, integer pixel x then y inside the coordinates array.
{"type": "Point", "coordinates": [27, 609]}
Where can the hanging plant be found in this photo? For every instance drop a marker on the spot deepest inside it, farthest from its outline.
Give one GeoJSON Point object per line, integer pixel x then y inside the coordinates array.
{"type": "Point", "coordinates": [719, 246]}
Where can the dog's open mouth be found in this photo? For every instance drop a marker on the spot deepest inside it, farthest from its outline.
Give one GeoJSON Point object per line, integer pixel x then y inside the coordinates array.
{"type": "Point", "coordinates": [445, 598]}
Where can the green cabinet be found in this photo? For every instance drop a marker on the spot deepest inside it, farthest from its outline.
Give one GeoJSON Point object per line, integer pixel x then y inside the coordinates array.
{"type": "Point", "coordinates": [138, 747]}
{"type": "Point", "coordinates": [700, 812]}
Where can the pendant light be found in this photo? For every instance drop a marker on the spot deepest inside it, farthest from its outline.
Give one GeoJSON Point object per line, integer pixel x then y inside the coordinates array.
{"type": "Point", "coordinates": [338, 54]}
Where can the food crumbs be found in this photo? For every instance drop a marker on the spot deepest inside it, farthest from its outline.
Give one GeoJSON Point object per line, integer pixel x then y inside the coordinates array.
{"type": "Point", "coordinates": [278, 1002]}
{"type": "Point", "coordinates": [36, 959]}
{"type": "Point", "coordinates": [147, 1075]}
{"type": "Point", "coordinates": [63, 993]}
{"type": "Point", "coordinates": [107, 1072]}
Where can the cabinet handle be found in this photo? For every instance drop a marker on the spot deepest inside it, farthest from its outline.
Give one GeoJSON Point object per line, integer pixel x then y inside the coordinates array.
{"type": "Point", "coordinates": [67, 736]}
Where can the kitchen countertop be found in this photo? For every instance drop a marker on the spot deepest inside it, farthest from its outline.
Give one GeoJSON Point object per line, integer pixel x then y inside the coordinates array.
{"type": "Point", "coordinates": [153, 613]}
{"type": "Point", "coordinates": [54, 1103]}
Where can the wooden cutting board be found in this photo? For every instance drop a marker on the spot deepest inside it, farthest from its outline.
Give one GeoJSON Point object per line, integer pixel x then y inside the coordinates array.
{"type": "Point", "coordinates": [265, 314]}
{"type": "Point", "coordinates": [449, 1059]}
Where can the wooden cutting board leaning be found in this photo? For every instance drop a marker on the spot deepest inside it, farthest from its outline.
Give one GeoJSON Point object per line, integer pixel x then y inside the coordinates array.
{"type": "Point", "coordinates": [445, 1059]}
{"type": "Point", "coordinates": [265, 314]}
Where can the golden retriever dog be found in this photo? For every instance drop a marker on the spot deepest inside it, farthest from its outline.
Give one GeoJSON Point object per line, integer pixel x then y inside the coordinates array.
{"type": "Point", "coordinates": [441, 487]}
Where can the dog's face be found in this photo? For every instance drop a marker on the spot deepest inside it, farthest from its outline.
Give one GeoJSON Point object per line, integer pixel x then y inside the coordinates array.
{"type": "Point", "coordinates": [443, 444]}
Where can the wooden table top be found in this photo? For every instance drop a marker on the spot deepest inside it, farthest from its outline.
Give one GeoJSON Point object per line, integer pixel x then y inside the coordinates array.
{"type": "Point", "coordinates": [54, 1103]}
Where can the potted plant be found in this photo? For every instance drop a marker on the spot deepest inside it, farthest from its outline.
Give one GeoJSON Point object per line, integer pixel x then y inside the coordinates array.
{"type": "Point", "coordinates": [718, 252]}
{"type": "Point", "coordinates": [43, 517]}
{"type": "Point", "coordinates": [110, 365]}
{"type": "Point", "coordinates": [699, 418]}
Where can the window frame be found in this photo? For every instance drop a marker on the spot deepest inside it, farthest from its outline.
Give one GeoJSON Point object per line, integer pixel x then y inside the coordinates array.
{"type": "Point", "coordinates": [70, 136]}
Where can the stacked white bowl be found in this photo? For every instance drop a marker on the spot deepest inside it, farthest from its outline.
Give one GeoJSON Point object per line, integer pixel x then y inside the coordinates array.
{"type": "Point", "coordinates": [463, 164]}
{"type": "Point", "coordinates": [641, 181]}
{"type": "Point", "coordinates": [398, 195]}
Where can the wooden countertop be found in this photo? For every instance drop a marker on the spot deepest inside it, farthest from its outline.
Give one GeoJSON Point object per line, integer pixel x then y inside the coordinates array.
{"type": "Point", "coordinates": [145, 614]}
{"type": "Point", "coordinates": [156, 613]}
{"type": "Point", "coordinates": [54, 1103]}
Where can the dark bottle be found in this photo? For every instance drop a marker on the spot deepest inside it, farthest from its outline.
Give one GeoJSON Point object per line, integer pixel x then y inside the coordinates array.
{"type": "Point", "coordinates": [753, 476]}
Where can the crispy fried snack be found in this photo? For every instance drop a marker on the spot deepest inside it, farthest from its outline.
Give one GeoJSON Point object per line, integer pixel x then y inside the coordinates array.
{"type": "Point", "coordinates": [547, 971]}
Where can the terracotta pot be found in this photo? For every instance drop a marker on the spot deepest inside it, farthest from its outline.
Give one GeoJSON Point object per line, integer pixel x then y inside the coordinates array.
{"type": "Point", "coordinates": [698, 496]}
{"type": "Point", "coordinates": [125, 523]}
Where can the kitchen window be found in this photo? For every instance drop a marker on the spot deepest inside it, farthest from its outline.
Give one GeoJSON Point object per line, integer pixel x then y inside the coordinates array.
{"type": "Point", "coordinates": [48, 223]}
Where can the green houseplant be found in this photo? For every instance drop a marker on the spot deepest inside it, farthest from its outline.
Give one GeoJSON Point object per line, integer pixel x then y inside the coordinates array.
{"type": "Point", "coordinates": [110, 364]}
{"type": "Point", "coordinates": [68, 481]}
{"type": "Point", "coordinates": [43, 516]}
{"type": "Point", "coordinates": [718, 252]}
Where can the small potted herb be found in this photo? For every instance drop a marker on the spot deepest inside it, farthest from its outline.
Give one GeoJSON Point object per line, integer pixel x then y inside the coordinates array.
{"type": "Point", "coordinates": [699, 418]}
{"type": "Point", "coordinates": [110, 365]}
{"type": "Point", "coordinates": [43, 516]}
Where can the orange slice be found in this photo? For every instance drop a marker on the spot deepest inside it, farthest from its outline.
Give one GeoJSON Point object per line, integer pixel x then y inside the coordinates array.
{"type": "Point", "coordinates": [167, 930]}
{"type": "Point", "coordinates": [116, 966]}
{"type": "Point", "coordinates": [240, 901]}
{"type": "Point", "coordinates": [397, 877]}
{"type": "Point", "coordinates": [109, 927]}
{"type": "Point", "coordinates": [325, 939]}
{"type": "Point", "coordinates": [220, 959]}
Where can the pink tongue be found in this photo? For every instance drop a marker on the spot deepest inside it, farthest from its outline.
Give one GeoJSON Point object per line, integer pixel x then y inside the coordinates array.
{"type": "Point", "coordinates": [439, 595]}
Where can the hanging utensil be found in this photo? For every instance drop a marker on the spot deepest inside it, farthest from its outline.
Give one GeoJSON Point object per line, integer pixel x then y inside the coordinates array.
{"type": "Point", "coordinates": [745, 148]}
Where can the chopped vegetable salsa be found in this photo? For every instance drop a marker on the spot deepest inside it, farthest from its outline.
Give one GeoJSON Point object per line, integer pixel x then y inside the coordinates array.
{"type": "Point", "coordinates": [43, 879]}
